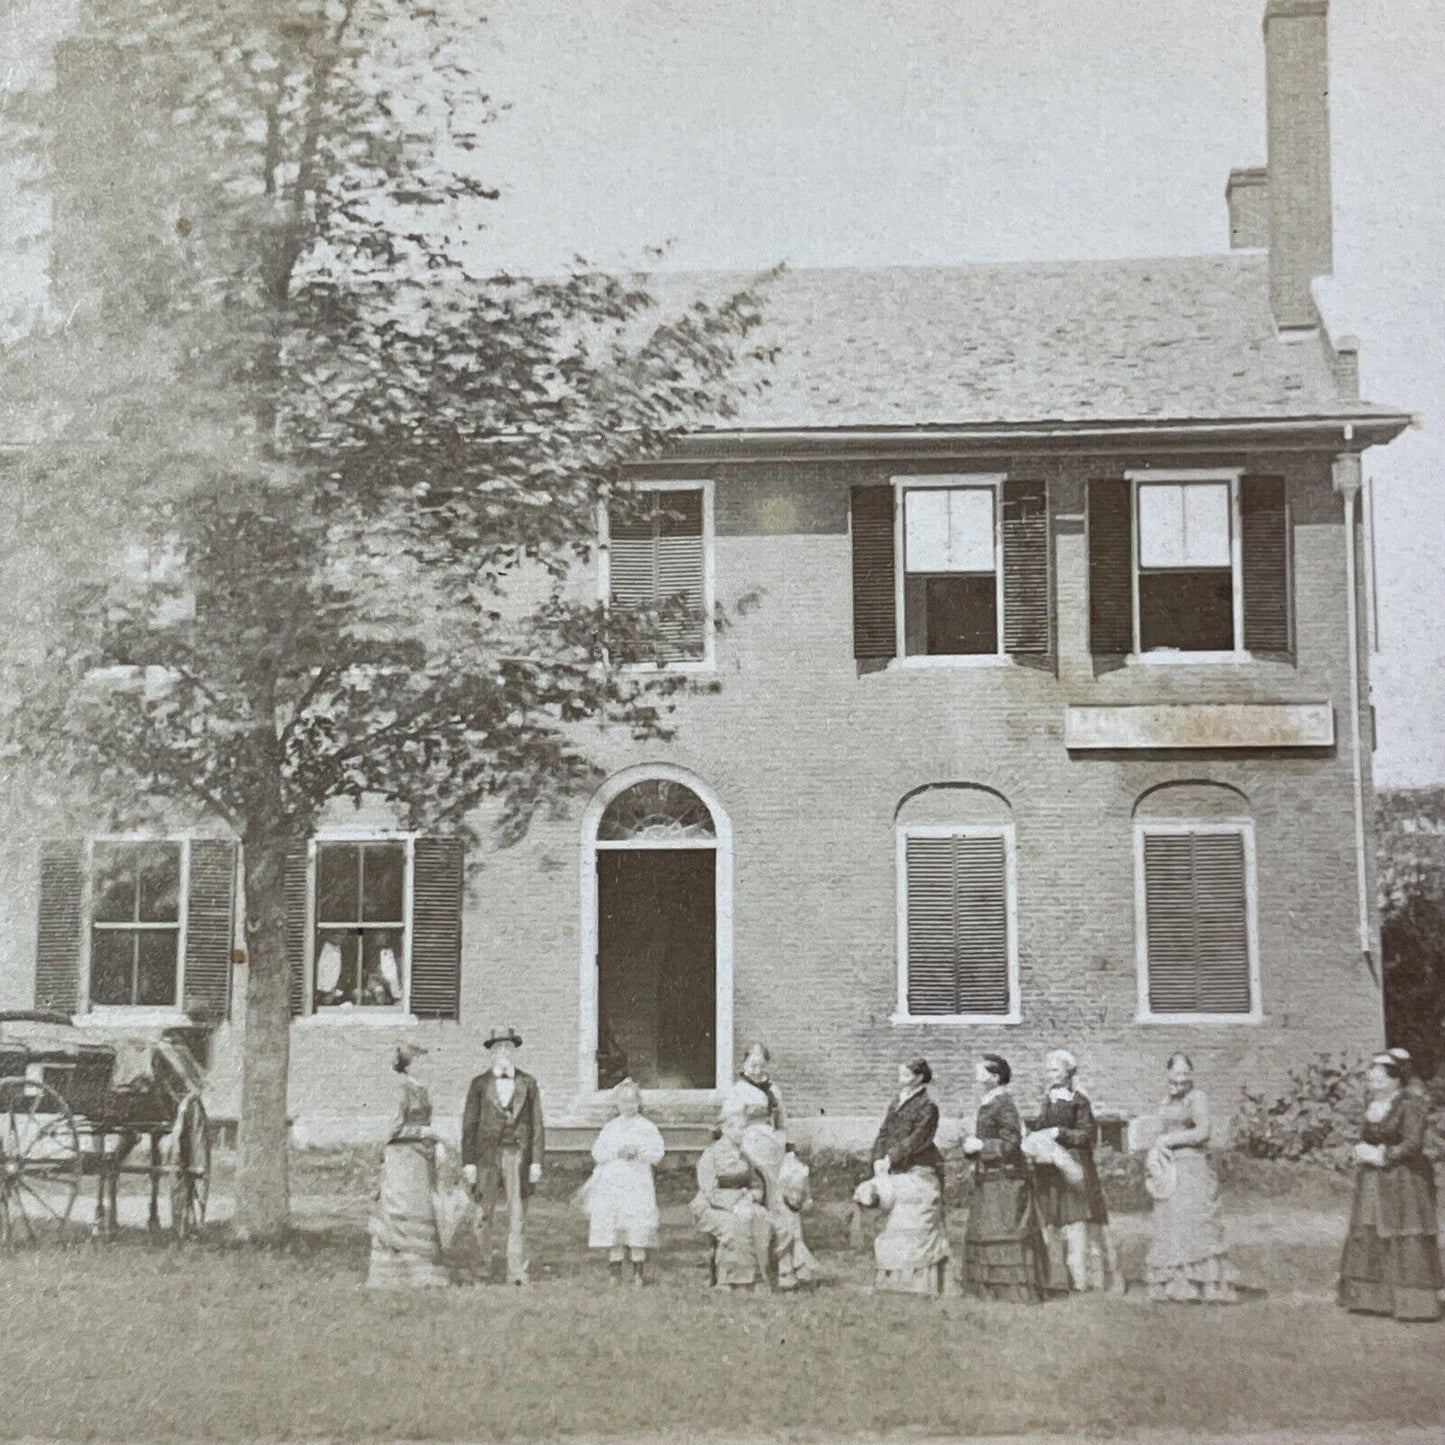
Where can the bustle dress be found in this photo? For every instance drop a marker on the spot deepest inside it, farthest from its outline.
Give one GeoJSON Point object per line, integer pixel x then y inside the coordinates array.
{"type": "Point", "coordinates": [406, 1251]}
{"type": "Point", "coordinates": [1003, 1246]}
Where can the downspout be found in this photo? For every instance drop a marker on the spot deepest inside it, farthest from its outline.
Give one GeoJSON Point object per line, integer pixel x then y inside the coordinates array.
{"type": "Point", "coordinates": [1347, 482]}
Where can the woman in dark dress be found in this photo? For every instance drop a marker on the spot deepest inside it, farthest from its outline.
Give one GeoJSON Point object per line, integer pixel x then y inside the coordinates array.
{"type": "Point", "coordinates": [1391, 1264]}
{"type": "Point", "coordinates": [1003, 1247]}
{"type": "Point", "coordinates": [1075, 1216]}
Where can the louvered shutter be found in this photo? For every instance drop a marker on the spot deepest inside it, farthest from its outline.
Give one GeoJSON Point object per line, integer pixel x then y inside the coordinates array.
{"type": "Point", "coordinates": [1264, 548]}
{"type": "Point", "coordinates": [59, 935]}
{"type": "Point", "coordinates": [875, 636]}
{"type": "Point", "coordinates": [1197, 932]}
{"type": "Point", "coordinates": [1111, 579]}
{"type": "Point", "coordinates": [436, 928]}
{"type": "Point", "coordinates": [210, 927]}
{"type": "Point", "coordinates": [957, 925]}
{"type": "Point", "coordinates": [1027, 632]}
{"type": "Point", "coordinates": [656, 561]}
{"type": "Point", "coordinates": [298, 877]}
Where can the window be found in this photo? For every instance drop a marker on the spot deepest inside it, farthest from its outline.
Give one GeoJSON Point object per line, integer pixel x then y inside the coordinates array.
{"type": "Point", "coordinates": [1196, 934]}
{"type": "Point", "coordinates": [956, 926]}
{"type": "Point", "coordinates": [1186, 576]}
{"type": "Point", "coordinates": [950, 573]}
{"type": "Point", "coordinates": [362, 931]}
{"type": "Point", "coordinates": [657, 573]}
{"type": "Point", "coordinates": [136, 893]}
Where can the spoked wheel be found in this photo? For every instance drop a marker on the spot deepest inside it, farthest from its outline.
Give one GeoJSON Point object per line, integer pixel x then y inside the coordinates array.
{"type": "Point", "coordinates": [40, 1163]}
{"type": "Point", "coordinates": [191, 1185]}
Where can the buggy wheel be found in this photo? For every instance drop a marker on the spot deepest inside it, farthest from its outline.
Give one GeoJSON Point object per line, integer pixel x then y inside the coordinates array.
{"type": "Point", "coordinates": [191, 1186]}
{"type": "Point", "coordinates": [40, 1162]}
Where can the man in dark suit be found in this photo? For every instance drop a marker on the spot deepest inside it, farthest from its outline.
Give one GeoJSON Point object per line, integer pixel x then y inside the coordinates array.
{"type": "Point", "coordinates": [502, 1146]}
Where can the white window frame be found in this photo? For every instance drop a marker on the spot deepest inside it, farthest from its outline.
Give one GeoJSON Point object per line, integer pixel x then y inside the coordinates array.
{"type": "Point", "coordinates": [1244, 827]}
{"type": "Point", "coordinates": [370, 1014]}
{"type": "Point", "coordinates": [905, 831]}
{"type": "Point", "coordinates": [1216, 475]}
{"type": "Point", "coordinates": [945, 482]}
{"type": "Point", "coordinates": [134, 1015]}
{"type": "Point", "coordinates": [708, 661]}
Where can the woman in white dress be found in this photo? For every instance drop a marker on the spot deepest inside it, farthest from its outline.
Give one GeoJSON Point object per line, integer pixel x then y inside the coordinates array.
{"type": "Point", "coordinates": [620, 1197]}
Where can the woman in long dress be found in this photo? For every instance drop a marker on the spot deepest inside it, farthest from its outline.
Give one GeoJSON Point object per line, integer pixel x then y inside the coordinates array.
{"type": "Point", "coordinates": [406, 1247]}
{"type": "Point", "coordinates": [729, 1206]}
{"type": "Point", "coordinates": [785, 1176]}
{"type": "Point", "coordinates": [911, 1253]}
{"type": "Point", "coordinates": [1187, 1259]}
{"type": "Point", "coordinates": [1391, 1264]}
{"type": "Point", "coordinates": [1074, 1214]}
{"type": "Point", "coordinates": [1003, 1246]}
{"type": "Point", "coordinates": [620, 1198]}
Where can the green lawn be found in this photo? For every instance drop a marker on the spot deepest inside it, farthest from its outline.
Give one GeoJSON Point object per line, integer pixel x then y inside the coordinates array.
{"type": "Point", "coordinates": [221, 1343]}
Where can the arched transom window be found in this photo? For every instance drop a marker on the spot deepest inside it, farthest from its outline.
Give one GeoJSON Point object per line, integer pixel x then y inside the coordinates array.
{"type": "Point", "coordinates": [657, 810]}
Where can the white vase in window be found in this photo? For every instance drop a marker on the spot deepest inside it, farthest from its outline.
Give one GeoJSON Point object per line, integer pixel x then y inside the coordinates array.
{"type": "Point", "coordinates": [328, 967]}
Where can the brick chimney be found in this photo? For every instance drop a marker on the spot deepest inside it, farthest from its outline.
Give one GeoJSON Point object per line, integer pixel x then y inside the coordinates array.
{"type": "Point", "coordinates": [1298, 127]}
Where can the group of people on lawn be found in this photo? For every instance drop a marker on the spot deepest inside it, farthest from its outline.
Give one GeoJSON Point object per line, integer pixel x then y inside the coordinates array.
{"type": "Point", "coordinates": [1037, 1225]}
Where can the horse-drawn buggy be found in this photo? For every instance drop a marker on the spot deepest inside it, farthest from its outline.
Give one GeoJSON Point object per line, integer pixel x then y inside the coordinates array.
{"type": "Point", "coordinates": [74, 1107]}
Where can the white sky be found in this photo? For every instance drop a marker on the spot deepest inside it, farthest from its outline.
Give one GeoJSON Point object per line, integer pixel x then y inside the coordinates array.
{"type": "Point", "coordinates": [846, 132]}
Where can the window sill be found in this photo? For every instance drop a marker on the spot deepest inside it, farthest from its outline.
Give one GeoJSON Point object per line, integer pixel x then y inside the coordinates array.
{"type": "Point", "coordinates": [663, 669]}
{"type": "Point", "coordinates": [977, 1019]}
{"type": "Point", "coordinates": [125, 1016]}
{"type": "Point", "coordinates": [924, 662]}
{"type": "Point", "coordinates": [1165, 658]}
{"type": "Point", "coordinates": [371, 1018]}
{"type": "Point", "coordinates": [1249, 1018]}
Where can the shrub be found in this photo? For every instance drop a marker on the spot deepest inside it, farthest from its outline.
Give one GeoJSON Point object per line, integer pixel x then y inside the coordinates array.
{"type": "Point", "coordinates": [1316, 1117]}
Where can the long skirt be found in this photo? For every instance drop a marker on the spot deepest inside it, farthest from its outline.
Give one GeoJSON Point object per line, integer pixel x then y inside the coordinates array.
{"type": "Point", "coordinates": [766, 1148]}
{"type": "Point", "coordinates": [742, 1233]}
{"type": "Point", "coordinates": [405, 1241]}
{"type": "Point", "coordinates": [1386, 1273]}
{"type": "Point", "coordinates": [910, 1255]}
{"type": "Point", "coordinates": [1188, 1259]}
{"type": "Point", "coordinates": [1003, 1246]}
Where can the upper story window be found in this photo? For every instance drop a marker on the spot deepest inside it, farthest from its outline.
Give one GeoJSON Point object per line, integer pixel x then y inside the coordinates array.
{"type": "Point", "coordinates": [657, 565]}
{"type": "Point", "coordinates": [950, 572]}
{"type": "Point", "coordinates": [1187, 566]}
{"type": "Point", "coordinates": [363, 926]}
{"type": "Point", "coordinates": [135, 924]}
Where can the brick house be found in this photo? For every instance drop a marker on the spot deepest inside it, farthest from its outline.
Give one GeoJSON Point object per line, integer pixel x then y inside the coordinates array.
{"type": "Point", "coordinates": [1039, 716]}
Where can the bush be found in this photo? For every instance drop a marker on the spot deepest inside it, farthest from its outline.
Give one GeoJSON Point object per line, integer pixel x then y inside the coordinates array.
{"type": "Point", "coordinates": [1317, 1117]}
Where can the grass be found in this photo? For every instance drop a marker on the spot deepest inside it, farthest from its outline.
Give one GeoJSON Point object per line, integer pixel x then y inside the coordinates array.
{"type": "Point", "coordinates": [217, 1342]}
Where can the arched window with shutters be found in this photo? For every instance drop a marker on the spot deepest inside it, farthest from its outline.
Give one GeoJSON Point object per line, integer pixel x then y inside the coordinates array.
{"type": "Point", "coordinates": [1196, 934]}
{"type": "Point", "coordinates": [957, 908]}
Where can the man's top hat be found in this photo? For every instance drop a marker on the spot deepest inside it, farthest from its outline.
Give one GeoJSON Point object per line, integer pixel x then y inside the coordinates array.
{"type": "Point", "coordinates": [504, 1036]}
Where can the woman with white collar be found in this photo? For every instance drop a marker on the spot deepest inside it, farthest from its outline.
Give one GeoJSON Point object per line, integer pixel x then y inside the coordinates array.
{"type": "Point", "coordinates": [1071, 1199]}
{"type": "Point", "coordinates": [1003, 1247]}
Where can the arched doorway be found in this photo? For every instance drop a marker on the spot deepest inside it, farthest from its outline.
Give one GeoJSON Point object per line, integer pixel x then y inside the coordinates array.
{"type": "Point", "coordinates": [657, 924]}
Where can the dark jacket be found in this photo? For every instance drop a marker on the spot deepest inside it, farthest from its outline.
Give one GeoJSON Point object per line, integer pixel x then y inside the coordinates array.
{"type": "Point", "coordinates": [486, 1125]}
{"type": "Point", "coordinates": [1059, 1201]}
{"type": "Point", "coordinates": [999, 1131]}
{"type": "Point", "coordinates": [906, 1136]}
{"type": "Point", "coordinates": [1405, 1187]}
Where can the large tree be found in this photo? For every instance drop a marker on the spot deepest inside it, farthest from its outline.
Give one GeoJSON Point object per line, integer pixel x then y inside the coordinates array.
{"type": "Point", "coordinates": [336, 481]}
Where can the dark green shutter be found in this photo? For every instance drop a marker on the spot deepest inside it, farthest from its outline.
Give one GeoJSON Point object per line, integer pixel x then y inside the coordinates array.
{"type": "Point", "coordinates": [1111, 568]}
{"type": "Point", "coordinates": [1264, 548]}
{"type": "Point", "coordinates": [875, 636]}
{"type": "Point", "coordinates": [210, 928]}
{"type": "Point", "coordinates": [298, 876]}
{"type": "Point", "coordinates": [1027, 614]}
{"type": "Point", "coordinates": [436, 928]}
{"type": "Point", "coordinates": [957, 919]}
{"type": "Point", "coordinates": [59, 935]}
{"type": "Point", "coordinates": [1196, 915]}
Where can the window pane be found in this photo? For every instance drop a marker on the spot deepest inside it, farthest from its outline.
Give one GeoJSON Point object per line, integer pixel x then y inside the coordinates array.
{"type": "Point", "coordinates": [338, 973]}
{"type": "Point", "coordinates": [383, 888]}
{"type": "Point", "coordinates": [962, 616]}
{"type": "Point", "coordinates": [1161, 526]}
{"type": "Point", "coordinates": [112, 954]}
{"type": "Point", "coordinates": [113, 892]}
{"type": "Point", "coordinates": [159, 867]}
{"type": "Point", "coordinates": [1206, 525]}
{"type": "Point", "coordinates": [381, 977]}
{"type": "Point", "coordinates": [1187, 611]}
{"type": "Point", "coordinates": [949, 530]}
{"type": "Point", "coordinates": [338, 882]}
{"type": "Point", "coordinates": [156, 972]}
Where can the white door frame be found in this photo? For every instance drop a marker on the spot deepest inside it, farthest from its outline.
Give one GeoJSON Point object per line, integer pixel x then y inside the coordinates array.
{"type": "Point", "coordinates": [722, 929]}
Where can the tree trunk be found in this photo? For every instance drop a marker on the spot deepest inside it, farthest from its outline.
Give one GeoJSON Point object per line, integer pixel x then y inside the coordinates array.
{"type": "Point", "coordinates": [262, 1197]}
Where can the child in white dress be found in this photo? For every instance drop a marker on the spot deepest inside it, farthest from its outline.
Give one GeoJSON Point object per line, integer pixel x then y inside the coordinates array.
{"type": "Point", "coordinates": [620, 1198]}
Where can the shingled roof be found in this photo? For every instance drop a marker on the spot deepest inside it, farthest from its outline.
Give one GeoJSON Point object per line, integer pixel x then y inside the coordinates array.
{"type": "Point", "coordinates": [1187, 338]}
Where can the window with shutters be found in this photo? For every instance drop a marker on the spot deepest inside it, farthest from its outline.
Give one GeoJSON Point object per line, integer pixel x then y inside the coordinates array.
{"type": "Point", "coordinates": [137, 922]}
{"type": "Point", "coordinates": [657, 567]}
{"type": "Point", "coordinates": [362, 906]}
{"type": "Point", "coordinates": [1197, 940]}
{"type": "Point", "coordinates": [1187, 564]}
{"type": "Point", "coordinates": [957, 952]}
{"type": "Point", "coordinates": [949, 577]}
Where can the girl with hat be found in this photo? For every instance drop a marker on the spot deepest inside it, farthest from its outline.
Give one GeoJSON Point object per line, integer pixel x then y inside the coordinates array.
{"type": "Point", "coordinates": [1391, 1263]}
{"type": "Point", "coordinates": [1003, 1247]}
{"type": "Point", "coordinates": [406, 1246]}
{"type": "Point", "coordinates": [620, 1198]}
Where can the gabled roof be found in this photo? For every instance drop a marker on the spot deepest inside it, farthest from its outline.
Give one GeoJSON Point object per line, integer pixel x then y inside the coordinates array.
{"type": "Point", "coordinates": [1187, 338]}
